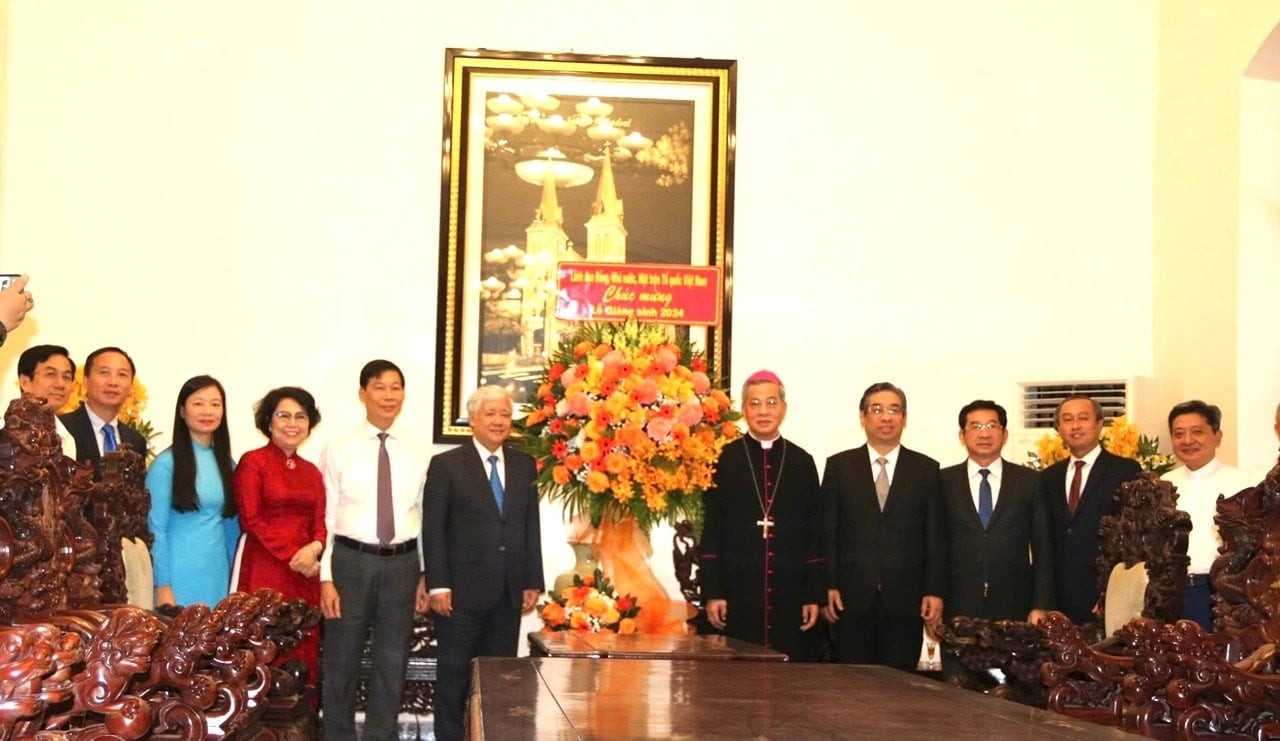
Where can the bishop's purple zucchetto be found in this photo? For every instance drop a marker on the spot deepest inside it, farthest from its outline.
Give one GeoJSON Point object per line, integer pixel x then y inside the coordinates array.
{"type": "Point", "coordinates": [764, 376]}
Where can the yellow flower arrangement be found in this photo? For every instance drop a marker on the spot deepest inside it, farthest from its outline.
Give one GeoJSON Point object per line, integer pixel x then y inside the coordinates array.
{"type": "Point", "coordinates": [591, 606]}
{"type": "Point", "coordinates": [1121, 437]}
{"type": "Point", "coordinates": [626, 422]}
{"type": "Point", "coordinates": [131, 410]}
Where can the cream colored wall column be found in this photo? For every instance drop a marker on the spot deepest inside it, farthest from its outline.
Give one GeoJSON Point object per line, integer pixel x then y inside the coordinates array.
{"type": "Point", "coordinates": [4, 101]}
{"type": "Point", "coordinates": [1203, 51]}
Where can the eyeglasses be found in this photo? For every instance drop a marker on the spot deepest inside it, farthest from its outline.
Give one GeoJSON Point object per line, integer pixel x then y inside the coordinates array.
{"type": "Point", "coordinates": [892, 410]}
{"type": "Point", "coordinates": [981, 426]}
{"type": "Point", "coordinates": [295, 417]}
{"type": "Point", "coordinates": [772, 401]}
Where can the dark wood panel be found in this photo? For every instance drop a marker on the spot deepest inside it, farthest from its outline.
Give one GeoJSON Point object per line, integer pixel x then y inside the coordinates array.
{"type": "Point", "coordinates": [641, 698]}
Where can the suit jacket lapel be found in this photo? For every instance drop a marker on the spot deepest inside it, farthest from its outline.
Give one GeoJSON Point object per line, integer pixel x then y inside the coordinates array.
{"type": "Point", "coordinates": [862, 469]}
{"type": "Point", "coordinates": [959, 487]}
{"type": "Point", "coordinates": [480, 476]}
{"type": "Point", "coordinates": [901, 470]}
{"type": "Point", "coordinates": [1091, 486]}
{"type": "Point", "coordinates": [1003, 493]}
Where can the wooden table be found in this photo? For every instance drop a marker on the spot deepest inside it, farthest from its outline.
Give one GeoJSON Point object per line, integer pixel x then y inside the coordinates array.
{"type": "Point", "coordinates": [566, 644]}
{"type": "Point", "coordinates": [546, 698]}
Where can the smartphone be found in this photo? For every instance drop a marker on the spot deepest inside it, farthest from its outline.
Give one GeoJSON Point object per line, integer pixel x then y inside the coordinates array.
{"type": "Point", "coordinates": [6, 279]}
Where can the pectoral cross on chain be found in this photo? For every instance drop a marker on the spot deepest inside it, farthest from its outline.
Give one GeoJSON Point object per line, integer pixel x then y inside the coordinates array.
{"type": "Point", "coordinates": [764, 526]}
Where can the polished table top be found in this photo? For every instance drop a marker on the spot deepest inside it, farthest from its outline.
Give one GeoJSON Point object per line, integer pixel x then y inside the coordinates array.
{"type": "Point", "coordinates": [582, 645]}
{"type": "Point", "coordinates": [548, 698]}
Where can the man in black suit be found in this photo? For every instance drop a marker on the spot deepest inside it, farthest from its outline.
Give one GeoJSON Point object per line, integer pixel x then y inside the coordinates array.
{"type": "Point", "coordinates": [1080, 491]}
{"type": "Point", "coordinates": [886, 540]}
{"type": "Point", "coordinates": [1000, 548]}
{"type": "Point", "coordinates": [95, 424]}
{"type": "Point", "coordinates": [482, 549]}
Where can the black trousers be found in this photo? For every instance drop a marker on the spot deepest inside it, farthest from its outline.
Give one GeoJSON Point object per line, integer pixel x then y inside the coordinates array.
{"type": "Point", "coordinates": [876, 637]}
{"type": "Point", "coordinates": [375, 592]}
{"type": "Point", "coordinates": [463, 636]}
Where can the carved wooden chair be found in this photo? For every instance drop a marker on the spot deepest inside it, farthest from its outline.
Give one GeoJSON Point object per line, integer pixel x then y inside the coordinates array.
{"type": "Point", "coordinates": [1142, 551]}
{"type": "Point", "coordinates": [1144, 544]}
{"type": "Point", "coordinates": [1015, 648]}
{"type": "Point", "coordinates": [1193, 684]}
{"type": "Point", "coordinates": [76, 668]}
{"type": "Point", "coordinates": [684, 556]}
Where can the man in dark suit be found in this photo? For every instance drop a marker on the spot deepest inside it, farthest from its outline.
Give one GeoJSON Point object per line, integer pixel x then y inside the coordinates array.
{"type": "Point", "coordinates": [1000, 548]}
{"type": "Point", "coordinates": [1080, 491]}
{"type": "Point", "coordinates": [95, 424]}
{"type": "Point", "coordinates": [886, 540]}
{"type": "Point", "coordinates": [482, 549]}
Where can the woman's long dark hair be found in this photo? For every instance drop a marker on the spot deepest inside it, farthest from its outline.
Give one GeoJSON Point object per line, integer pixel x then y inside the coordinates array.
{"type": "Point", "coordinates": [185, 498]}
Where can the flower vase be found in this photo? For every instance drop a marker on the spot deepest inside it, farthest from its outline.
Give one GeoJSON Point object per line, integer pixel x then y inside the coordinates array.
{"type": "Point", "coordinates": [584, 565]}
{"type": "Point", "coordinates": [623, 549]}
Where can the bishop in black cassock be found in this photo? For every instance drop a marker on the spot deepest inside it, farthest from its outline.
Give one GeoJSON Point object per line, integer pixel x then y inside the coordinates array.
{"type": "Point", "coordinates": [763, 568]}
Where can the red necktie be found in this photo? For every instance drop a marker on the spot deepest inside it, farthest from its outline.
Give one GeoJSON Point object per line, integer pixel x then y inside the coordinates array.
{"type": "Point", "coordinates": [1073, 497]}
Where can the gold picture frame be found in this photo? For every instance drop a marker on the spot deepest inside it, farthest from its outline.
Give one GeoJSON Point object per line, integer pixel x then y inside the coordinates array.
{"type": "Point", "coordinates": [555, 157]}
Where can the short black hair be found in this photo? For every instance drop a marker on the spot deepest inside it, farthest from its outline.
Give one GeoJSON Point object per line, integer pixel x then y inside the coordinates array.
{"type": "Point", "coordinates": [375, 368]}
{"type": "Point", "coordinates": [977, 404]}
{"type": "Point", "coordinates": [263, 410]}
{"type": "Point", "coordinates": [876, 388]}
{"type": "Point", "coordinates": [88, 362]}
{"type": "Point", "coordinates": [37, 354]}
{"type": "Point", "coordinates": [1211, 413]}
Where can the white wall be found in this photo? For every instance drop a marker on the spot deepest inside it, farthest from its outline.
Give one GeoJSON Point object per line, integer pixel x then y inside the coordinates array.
{"type": "Point", "coordinates": [1258, 302]}
{"type": "Point", "coordinates": [951, 196]}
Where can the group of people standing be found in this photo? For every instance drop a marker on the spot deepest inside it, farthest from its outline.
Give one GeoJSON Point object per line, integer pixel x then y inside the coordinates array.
{"type": "Point", "coordinates": [348, 535]}
{"type": "Point", "coordinates": [885, 543]}
{"type": "Point", "coordinates": [888, 542]}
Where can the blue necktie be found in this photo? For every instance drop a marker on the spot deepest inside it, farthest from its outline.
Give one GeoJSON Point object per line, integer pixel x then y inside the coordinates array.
{"type": "Point", "coordinates": [108, 439]}
{"type": "Point", "coordinates": [495, 482]}
{"type": "Point", "coordinates": [984, 499]}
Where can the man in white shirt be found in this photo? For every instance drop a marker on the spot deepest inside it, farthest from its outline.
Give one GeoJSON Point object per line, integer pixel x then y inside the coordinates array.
{"type": "Point", "coordinates": [47, 372]}
{"type": "Point", "coordinates": [1196, 429]}
{"type": "Point", "coordinates": [371, 571]}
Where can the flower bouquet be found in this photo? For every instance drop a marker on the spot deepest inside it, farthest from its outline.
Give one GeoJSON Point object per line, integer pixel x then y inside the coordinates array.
{"type": "Point", "coordinates": [590, 605]}
{"type": "Point", "coordinates": [626, 422]}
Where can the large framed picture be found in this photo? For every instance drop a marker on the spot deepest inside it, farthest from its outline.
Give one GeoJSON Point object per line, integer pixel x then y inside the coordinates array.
{"type": "Point", "coordinates": [550, 160]}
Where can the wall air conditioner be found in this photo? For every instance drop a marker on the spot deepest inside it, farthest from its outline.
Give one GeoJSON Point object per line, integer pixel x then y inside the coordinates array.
{"type": "Point", "coordinates": [1134, 396]}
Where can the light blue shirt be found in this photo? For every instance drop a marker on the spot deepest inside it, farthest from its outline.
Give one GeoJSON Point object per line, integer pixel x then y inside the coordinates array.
{"type": "Point", "coordinates": [193, 550]}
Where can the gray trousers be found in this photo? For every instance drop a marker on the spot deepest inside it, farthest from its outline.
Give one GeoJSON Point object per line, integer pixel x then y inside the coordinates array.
{"type": "Point", "coordinates": [375, 592]}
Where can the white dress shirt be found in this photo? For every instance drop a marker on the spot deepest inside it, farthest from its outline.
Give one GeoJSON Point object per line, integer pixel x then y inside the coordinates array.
{"type": "Point", "coordinates": [350, 469]}
{"type": "Point", "coordinates": [64, 436]}
{"type": "Point", "coordinates": [98, 423]}
{"type": "Point", "coordinates": [975, 480]}
{"type": "Point", "coordinates": [891, 459]}
{"type": "Point", "coordinates": [1198, 492]}
{"type": "Point", "coordinates": [484, 458]}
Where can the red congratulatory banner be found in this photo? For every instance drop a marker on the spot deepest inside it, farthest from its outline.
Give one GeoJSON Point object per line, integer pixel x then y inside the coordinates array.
{"type": "Point", "coordinates": [669, 294]}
